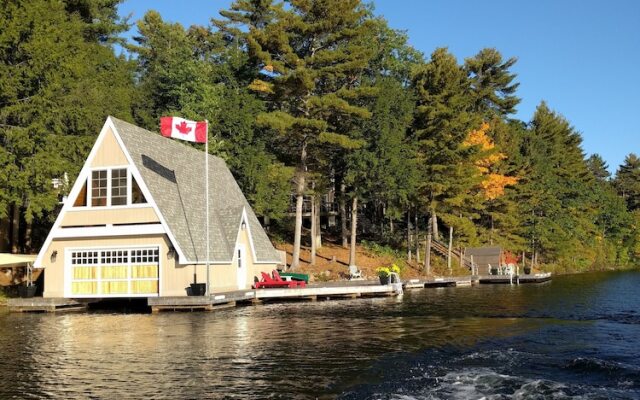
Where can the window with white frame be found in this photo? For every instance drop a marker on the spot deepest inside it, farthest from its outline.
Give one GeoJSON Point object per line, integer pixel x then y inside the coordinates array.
{"type": "Point", "coordinates": [110, 187]}
{"type": "Point", "coordinates": [99, 188]}
{"type": "Point", "coordinates": [114, 272]}
{"type": "Point", "coordinates": [119, 187]}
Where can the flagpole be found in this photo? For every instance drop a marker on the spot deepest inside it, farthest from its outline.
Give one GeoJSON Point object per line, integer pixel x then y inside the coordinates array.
{"type": "Point", "coordinates": [206, 177]}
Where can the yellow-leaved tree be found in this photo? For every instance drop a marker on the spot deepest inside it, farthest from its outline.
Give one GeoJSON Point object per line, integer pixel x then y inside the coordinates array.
{"type": "Point", "coordinates": [493, 184]}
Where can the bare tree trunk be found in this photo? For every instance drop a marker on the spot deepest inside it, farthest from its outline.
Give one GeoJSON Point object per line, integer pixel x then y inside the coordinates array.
{"type": "Point", "coordinates": [318, 234]}
{"type": "Point", "coordinates": [427, 254]}
{"type": "Point", "coordinates": [15, 229]}
{"type": "Point", "coordinates": [391, 225]}
{"type": "Point", "coordinates": [28, 233]}
{"type": "Point", "coordinates": [314, 226]}
{"type": "Point", "coordinates": [5, 233]}
{"type": "Point", "coordinates": [301, 180]}
{"type": "Point", "coordinates": [434, 224]}
{"type": "Point", "coordinates": [354, 226]}
{"type": "Point", "coordinates": [450, 249]}
{"type": "Point", "coordinates": [409, 234]}
{"type": "Point", "coordinates": [417, 236]}
{"type": "Point", "coordinates": [382, 218]}
{"type": "Point", "coordinates": [343, 216]}
{"type": "Point", "coordinates": [492, 230]}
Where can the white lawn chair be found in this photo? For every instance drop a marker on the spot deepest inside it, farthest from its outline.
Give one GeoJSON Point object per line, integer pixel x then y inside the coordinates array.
{"type": "Point", "coordinates": [355, 273]}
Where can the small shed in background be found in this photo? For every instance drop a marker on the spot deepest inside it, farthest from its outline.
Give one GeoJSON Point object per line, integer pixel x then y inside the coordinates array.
{"type": "Point", "coordinates": [484, 258]}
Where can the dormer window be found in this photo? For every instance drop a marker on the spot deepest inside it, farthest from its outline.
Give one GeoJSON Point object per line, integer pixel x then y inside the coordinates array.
{"type": "Point", "coordinates": [110, 187]}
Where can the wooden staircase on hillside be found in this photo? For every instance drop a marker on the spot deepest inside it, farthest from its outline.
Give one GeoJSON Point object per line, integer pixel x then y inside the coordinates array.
{"type": "Point", "coordinates": [443, 250]}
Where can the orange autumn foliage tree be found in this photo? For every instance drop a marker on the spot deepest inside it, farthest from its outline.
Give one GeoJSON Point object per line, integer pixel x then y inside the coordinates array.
{"type": "Point", "coordinates": [492, 184]}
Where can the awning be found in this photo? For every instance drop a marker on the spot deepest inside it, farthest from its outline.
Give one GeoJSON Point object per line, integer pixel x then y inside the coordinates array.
{"type": "Point", "coordinates": [8, 260]}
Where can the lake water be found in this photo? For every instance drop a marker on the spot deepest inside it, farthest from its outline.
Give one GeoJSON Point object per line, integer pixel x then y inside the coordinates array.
{"type": "Point", "coordinates": [575, 337]}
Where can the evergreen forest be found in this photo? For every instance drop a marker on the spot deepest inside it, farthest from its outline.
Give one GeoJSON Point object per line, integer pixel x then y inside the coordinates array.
{"type": "Point", "coordinates": [314, 105]}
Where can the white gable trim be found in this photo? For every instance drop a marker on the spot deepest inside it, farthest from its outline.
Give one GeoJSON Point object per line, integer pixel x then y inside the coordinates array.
{"type": "Point", "coordinates": [56, 232]}
{"type": "Point", "coordinates": [110, 230]}
{"type": "Point", "coordinates": [145, 190]}
{"type": "Point", "coordinates": [75, 190]}
{"type": "Point", "coordinates": [245, 219]}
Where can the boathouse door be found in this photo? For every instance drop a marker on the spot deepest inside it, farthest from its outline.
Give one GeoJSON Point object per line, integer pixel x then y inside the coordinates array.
{"type": "Point", "coordinates": [241, 266]}
{"type": "Point", "coordinates": [112, 272]}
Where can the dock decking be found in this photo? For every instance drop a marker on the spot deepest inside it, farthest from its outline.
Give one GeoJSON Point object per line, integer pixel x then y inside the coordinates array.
{"type": "Point", "coordinates": [40, 304]}
{"type": "Point", "coordinates": [231, 299]}
{"type": "Point", "coordinates": [476, 279]}
{"type": "Point", "coordinates": [324, 291]}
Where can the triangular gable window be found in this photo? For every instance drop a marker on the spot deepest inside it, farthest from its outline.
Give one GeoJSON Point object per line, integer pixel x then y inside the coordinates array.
{"type": "Point", "coordinates": [81, 200]}
{"type": "Point", "coordinates": [137, 197]}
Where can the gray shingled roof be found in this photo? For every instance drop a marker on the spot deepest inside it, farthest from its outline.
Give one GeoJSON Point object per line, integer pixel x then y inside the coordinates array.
{"type": "Point", "coordinates": [174, 174]}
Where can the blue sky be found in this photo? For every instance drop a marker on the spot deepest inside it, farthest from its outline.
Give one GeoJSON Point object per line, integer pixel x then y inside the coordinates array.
{"type": "Point", "coordinates": [581, 56]}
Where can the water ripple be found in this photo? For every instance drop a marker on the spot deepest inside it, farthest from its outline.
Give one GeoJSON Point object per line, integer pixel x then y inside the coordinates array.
{"type": "Point", "coordinates": [577, 337]}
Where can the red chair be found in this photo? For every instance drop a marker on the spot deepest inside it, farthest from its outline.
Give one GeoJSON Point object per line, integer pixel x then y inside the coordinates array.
{"type": "Point", "coordinates": [278, 278]}
{"type": "Point", "coordinates": [269, 282]}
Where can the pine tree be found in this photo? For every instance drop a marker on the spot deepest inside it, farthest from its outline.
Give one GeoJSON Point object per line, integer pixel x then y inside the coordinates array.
{"type": "Point", "coordinates": [311, 55]}
{"type": "Point", "coordinates": [492, 86]}
{"type": "Point", "coordinates": [556, 203]}
{"type": "Point", "coordinates": [59, 79]}
{"type": "Point", "coordinates": [598, 168]}
{"type": "Point", "coordinates": [627, 181]}
{"type": "Point", "coordinates": [201, 74]}
{"type": "Point", "coordinates": [500, 219]}
{"type": "Point", "coordinates": [443, 119]}
{"type": "Point", "coordinates": [381, 174]}
{"type": "Point", "coordinates": [174, 76]}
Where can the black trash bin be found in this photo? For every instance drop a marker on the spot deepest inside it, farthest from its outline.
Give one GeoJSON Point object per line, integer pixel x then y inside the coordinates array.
{"type": "Point", "coordinates": [198, 289]}
{"type": "Point", "coordinates": [27, 291]}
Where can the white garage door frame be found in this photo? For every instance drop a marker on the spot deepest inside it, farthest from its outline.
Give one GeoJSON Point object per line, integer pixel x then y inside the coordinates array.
{"type": "Point", "coordinates": [68, 274]}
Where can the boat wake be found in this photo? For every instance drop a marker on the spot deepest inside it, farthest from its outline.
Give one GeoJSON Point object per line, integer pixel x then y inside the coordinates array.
{"type": "Point", "coordinates": [499, 374]}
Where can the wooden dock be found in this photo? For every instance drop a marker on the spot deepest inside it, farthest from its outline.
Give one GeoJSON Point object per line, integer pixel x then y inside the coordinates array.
{"type": "Point", "coordinates": [200, 303]}
{"type": "Point", "coordinates": [324, 291]}
{"type": "Point", "coordinates": [515, 279]}
{"type": "Point", "coordinates": [231, 299]}
{"type": "Point", "coordinates": [457, 281]}
{"type": "Point", "coordinates": [451, 281]}
{"type": "Point", "coordinates": [41, 304]}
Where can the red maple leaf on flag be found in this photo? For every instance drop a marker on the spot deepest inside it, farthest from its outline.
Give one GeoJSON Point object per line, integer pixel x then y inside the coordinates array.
{"type": "Point", "coordinates": [183, 128]}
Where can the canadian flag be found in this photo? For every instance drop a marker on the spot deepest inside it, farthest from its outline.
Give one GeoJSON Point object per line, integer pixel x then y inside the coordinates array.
{"type": "Point", "coordinates": [180, 128]}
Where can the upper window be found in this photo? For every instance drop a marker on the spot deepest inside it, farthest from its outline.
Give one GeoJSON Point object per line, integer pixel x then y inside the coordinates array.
{"type": "Point", "coordinates": [99, 188]}
{"type": "Point", "coordinates": [119, 187]}
{"type": "Point", "coordinates": [137, 197]}
{"type": "Point", "coordinates": [110, 187]}
{"type": "Point", "coordinates": [81, 200]}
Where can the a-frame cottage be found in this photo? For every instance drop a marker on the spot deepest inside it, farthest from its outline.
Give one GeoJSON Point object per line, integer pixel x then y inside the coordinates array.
{"type": "Point", "coordinates": [134, 223]}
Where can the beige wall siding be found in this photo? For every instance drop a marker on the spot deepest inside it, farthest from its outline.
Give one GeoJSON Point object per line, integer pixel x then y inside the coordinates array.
{"type": "Point", "coordinates": [173, 278]}
{"type": "Point", "coordinates": [97, 216]}
{"type": "Point", "coordinates": [109, 153]}
{"type": "Point", "coordinates": [223, 277]}
{"type": "Point", "coordinates": [54, 270]}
